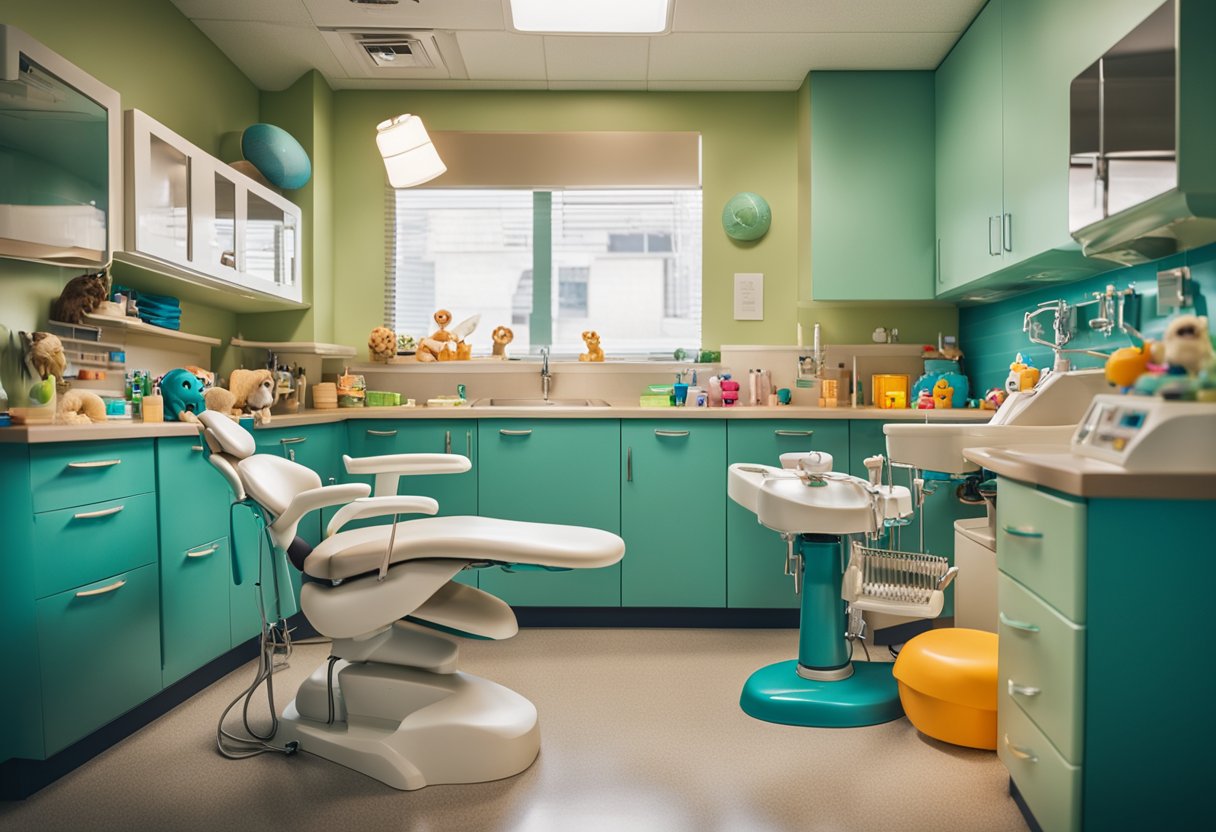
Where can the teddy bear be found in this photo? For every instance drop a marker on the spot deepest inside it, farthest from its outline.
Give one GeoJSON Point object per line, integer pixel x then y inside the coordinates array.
{"type": "Point", "coordinates": [1185, 347]}
{"type": "Point", "coordinates": [440, 345]}
{"type": "Point", "coordinates": [44, 354]}
{"type": "Point", "coordinates": [594, 351]}
{"type": "Point", "coordinates": [382, 344]}
{"type": "Point", "coordinates": [501, 336]}
{"type": "Point", "coordinates": [249, 391]}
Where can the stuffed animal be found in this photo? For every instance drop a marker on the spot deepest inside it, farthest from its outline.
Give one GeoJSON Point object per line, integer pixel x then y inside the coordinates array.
{"type": "Point", "coordinates": [501, 336]}
{"type": "Point", "coordinates": [1127, 364]}
{"type": "Point", "coordinates": [78, 408]}
{"type": "Point", "coordinates": [183, 392]}
{"type": "Point", "coordinates": [205, 376]}
{"type": "Point", "coordinates": [993, 399]}
{"type": "Point", "coordinates": [83, 293]}
{"type": "Point", "coordinates": [249, 391]}
{"type": "Point", "coordinates": [943, 394]}
{"type": "Point", "coordinates": [924, 401]}
{"type": "Point", "coordinates": [1186, 346]}
{"type": "Point", "coordinates": [594, 351]}
{"type": "Point", "coordinates": [44, 354]}
{"type": "Point", "coordinates": [436, 347]}
{"type": "Point", "coordinates": [382, 344]}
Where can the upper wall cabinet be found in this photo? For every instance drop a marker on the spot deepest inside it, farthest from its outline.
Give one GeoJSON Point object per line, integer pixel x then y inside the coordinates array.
{"type": "Point", "coordinates": [1002, 122]}
{"type": "Point", "coordinates": [60, 157]}
{"type": "Point", "coordinates": [872, 185]}
{"type": "Point", "coordinates": [212, 234]}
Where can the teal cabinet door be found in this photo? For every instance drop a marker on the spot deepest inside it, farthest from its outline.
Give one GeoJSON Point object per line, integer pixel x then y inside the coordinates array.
{"type": "Point", "coordinates": [20, 699]}
{"type": "Point", "coordinates": [100, 653]}
{"type": "Point", "coordinates": [755, 556]}
{"type": "Point", "coordinates": [552, 471]}
{"type": "Point", "coordinates": [675, 538]}
{"type": "Point", "coordinates": [192, 497]}
{"type": "Point", "coordinates": [455, 493]}
{"type": "Point", "coordinates": [872, 186]}
{"type": "Point", "coordinates": [195, 621]}
{"type": "Point", "coordinates": [968, 119]}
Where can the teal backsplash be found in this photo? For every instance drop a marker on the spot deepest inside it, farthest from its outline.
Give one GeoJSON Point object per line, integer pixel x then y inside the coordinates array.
{"type": "Point", "coordinates": [991, 335]}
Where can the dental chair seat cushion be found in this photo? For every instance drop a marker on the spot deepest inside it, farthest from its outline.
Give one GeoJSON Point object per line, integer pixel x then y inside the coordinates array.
{"type": "Point", "coordinates": [273, 481]}
{"type": "Point", "coordinates": [948, 685]}
{"type": "Point", "coordinates": [470, 539]}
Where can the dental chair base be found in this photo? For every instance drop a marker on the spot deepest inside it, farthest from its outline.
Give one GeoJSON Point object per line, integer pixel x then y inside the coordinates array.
{"type": "Point", "coordinates": [823, 688]}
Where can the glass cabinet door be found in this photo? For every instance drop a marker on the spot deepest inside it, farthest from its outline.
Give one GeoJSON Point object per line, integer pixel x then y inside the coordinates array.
{"type": "Point", "coordinates": [165, 216]}
{"type": "Point", "coordinates": [265, 226]}
{"type": "Point", "coordinates": [223, 224]}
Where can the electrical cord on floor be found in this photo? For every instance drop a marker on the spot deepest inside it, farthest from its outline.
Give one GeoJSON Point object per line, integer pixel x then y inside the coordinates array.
{"type": "Point", "coordinates": [274, 638]}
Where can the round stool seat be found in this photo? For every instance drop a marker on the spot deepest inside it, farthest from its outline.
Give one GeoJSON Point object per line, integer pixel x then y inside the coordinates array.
{"type": "Point", "coordinates": [948, 685]}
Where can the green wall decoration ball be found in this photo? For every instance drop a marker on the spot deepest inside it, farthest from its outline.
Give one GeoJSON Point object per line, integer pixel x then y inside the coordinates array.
{"type": "Point", "coordinates": [746, 216]}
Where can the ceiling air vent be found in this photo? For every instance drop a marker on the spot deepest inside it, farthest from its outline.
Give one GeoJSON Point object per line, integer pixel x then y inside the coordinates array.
{"type": "Point", "coordinates": [395, 51]}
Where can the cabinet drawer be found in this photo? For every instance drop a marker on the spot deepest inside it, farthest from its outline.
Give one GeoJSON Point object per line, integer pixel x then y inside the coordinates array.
{"type": "Point", "coordinates": [74, 546]}
{"type": "Point", "coordinates": [1041, 542]}
{"type": "Point", "coordinates": [194, 607]}
{"type": "Point", "coordinates": [1048, 783]}
{"type": "Point", "coordinates": [1040, 661]}
{"type": "Point", "coordinates": [100, 653]}
{"type": "Point", "coordinates": [76, 473]}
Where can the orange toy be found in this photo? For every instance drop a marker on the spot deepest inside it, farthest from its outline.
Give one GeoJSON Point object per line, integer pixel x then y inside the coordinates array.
{"type": "Point", "coordinates": [1127, 364]}
{"type": "Point", "coordinates": [948, 685]}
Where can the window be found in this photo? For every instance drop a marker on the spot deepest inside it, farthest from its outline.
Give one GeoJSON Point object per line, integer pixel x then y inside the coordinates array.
{"type": "Point", "coordinates": [626, 263]}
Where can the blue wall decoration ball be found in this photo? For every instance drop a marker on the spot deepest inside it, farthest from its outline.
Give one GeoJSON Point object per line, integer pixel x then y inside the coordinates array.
{"type": "Point", "coordinates": [746, 216]}
{"type": "Point", "coordinates": [276, 153]}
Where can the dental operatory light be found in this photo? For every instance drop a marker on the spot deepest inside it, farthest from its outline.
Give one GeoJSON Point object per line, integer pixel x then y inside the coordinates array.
{"type": "Point", "coordinates": [573, 17]}
{"type": "Point", "coordinates": [409, 156]}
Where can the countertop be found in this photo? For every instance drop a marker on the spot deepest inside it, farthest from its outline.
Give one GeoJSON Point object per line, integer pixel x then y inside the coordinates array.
{"type": "Point", "coordinates": [1056, 467]}
{"type": "Point", "coordinates": [36, 434]}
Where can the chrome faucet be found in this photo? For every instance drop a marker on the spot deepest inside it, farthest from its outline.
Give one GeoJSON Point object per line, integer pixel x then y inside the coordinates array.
{"type": "Point", "coordinates": [545, 377]}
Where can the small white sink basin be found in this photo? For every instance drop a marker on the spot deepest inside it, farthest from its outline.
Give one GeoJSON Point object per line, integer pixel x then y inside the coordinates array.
{"type": "Point", "coordinates": [781, 501]}
{"type": "Point", "coordinates": [934, 447]}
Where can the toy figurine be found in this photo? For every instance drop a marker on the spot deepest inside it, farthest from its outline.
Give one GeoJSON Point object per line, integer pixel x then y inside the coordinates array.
{"type": "Point", "coordinates": [943, 395]}
{"type": "Point", "coordinates": [1127, 364]}
{"type": "Point", "coordinates": [594, 351]}
{"type": "Point", "coordinates": [183, 392]}
{"type": "Point", "coordinates": [382, 344]}
{"type": "Point", "coordinates": [501, 336]}
{"type": "Point", "coordinates": [435, 346]}
{"type": "Point", "coordinates": [1022, 376]}
{"type": "Point", "coordinates": [1186, 347]}
{"type": "Point", "coordinates": [925, 400]}
{"type": "Point", "coordinates": [993, 399]}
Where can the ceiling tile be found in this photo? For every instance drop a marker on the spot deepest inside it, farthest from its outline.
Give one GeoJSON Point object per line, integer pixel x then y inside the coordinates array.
{"type": "Point", "coordinates": [445, 84]}
{"type": "Point", "coordinates": [502, 55]}
{"type": "Point", "coordinates": [270, 55]}
{"type": "Point", "coordinates": [597, 85]}
{"type": "Point", "coordinates": [596, 58]}
{"type": "Point", "coordinates": [428, 14]}
{"type": "Point", "coordinates": [722, 86]}
{"type": "Point", "coordinates": [786, 16]}
{"type": "Point", "coordinates": [267, 11]}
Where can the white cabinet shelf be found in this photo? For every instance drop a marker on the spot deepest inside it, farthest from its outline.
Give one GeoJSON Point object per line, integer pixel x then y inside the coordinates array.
{"type": "Point", "coordinates": [298, 348]}
{"type": "Point", "coordinates": [138, 327]}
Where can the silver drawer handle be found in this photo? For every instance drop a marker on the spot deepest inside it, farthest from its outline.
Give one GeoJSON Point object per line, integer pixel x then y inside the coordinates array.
{"type": "Point", "coordinates": [1024, 626]}
{"type": "Point", "coordinates": [1022, 690]}
{"type": "Point", "coordinates": [104, 512]}
{"type": "Point", "coordinates": [292, 440]}
{"type": "Point", "coordinates": [102, 590]}
{"type": "Point", "coordinates": [505, 432]}
{"type": "Point", "coordinates": [100, 463]}
{"type": "Point", "coordinates": [202, 553]}
{"type": "Point", "coordinates": [671, 433]}
{"type": "Point", "coordinates": [1017, 532]}
{"type": "Point", "coordinates": [1021, 753]}
{"type": "Point", "coordinates": [793, 432]}
{"type": "Point", "coordinates": [197, 448]}
{"type": "Point", "coordinates": [382, 433]}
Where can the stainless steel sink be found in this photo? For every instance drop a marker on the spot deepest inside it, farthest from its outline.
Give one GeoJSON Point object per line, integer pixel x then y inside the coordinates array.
{"type": "Point", "coordinates": [540, 403]}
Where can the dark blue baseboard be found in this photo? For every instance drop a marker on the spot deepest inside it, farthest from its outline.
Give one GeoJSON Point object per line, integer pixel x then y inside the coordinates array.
{"type": "Point", "coordinates": [1027, 815]}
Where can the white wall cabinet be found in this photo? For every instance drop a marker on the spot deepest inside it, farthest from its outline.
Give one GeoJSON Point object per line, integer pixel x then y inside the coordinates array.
{"type": "Point", "coordinates": [197, 219]}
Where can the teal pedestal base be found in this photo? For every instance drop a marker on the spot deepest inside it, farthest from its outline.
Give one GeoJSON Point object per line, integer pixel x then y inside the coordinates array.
{"type": "Point", "coordinates": [778, 694]}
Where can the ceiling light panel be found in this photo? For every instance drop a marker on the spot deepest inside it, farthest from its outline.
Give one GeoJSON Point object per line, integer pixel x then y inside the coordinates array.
{"type": "Point", "coordinates": [590, 17]}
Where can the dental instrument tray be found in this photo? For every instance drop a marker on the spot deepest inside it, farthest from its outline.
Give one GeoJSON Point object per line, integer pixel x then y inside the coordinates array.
{"type": "Point", "coordinates": [900, 583]}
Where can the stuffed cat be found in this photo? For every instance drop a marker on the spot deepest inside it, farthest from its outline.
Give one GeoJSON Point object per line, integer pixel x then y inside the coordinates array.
{"type": "Point", "coordinates": [83, 293]}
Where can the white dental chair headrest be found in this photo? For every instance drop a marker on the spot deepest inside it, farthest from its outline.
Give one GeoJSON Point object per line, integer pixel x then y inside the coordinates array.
{"type": "Point", "coordinates": [226, 436]}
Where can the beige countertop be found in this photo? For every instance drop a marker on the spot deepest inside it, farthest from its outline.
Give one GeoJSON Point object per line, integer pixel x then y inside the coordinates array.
{"type": "Point", "coordinates": [36, 434]}
{"type": "Point", "coordinates": [1056, 467]}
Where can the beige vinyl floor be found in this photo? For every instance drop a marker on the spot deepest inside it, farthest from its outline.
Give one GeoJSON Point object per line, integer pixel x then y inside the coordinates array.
{"type": "Point", "coordinates": [641, 730]}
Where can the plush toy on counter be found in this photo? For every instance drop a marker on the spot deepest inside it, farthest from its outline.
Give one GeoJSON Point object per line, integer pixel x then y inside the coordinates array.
{"type": "Point", "coordinates": [993, 399]}
{"type": "Point", "coordinates": [1186, 347]}
{"type": "Point", "coordinates": [82, 294]}
{"type": "Point", "coordinates": [249, 391]}
{"type": "Point", "coordinates": [205, 376]}
{"type": "Point", "coordinates": [44, 354]}
{"type": "Point", "coordinates": [924, 400]}
{"type": "Point", "coordinates": [501, 336]}
{"type": "Point", "coordinates": [382, 344]}
{"type": "Point", "coordinates": [80, 408]}
{"type": "Point", "coordinates": [1127, 364]}
{"type": "Point", "coordinates": [184, 395]}
{"type": "Point", "coordinates": [943, 394]}
{"type": "Point", "coordinates": [594, 351]}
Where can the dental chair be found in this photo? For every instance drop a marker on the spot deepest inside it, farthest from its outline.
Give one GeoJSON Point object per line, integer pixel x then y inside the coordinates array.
{"type": "Point", "coordinates": [390, 702]}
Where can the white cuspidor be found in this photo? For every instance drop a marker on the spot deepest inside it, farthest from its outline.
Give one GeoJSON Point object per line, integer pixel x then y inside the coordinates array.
{"type": "Point", "coordinates": [390, 702]}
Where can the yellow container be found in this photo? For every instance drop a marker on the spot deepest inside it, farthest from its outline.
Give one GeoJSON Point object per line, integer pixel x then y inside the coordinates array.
{"type": "Point", "coordinates": [948, 685]}
{"type": "Point", "coordinates": [890, 390]}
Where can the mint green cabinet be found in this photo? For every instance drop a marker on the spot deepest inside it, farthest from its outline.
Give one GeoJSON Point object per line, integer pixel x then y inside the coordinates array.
{"type": "Point", "coordinates": [99, 648]}
{"type": "Point", "coordinates": [872, 185]}
{"type": "Point", "coordinates": [21, 696]}
{"type": "Point", "coordinates": [755, 556]}
{"type": "Point", "coordinates": [674, 479]}
{"type": "Point", "coordinates": [66, 474]}
{"type": "Point", "coordinates": [968, 116]}
{"type": "Point", "coordinates": [552, 471]}
{"type": "Point", "coordinates": [87, 543]}
{"type": "Point", "coordinates": [194, 599]}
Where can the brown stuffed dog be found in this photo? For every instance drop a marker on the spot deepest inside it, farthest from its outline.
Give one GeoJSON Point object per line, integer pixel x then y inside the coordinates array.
{"type": "Point", "coordinates": [594, 351]}
{"type": "Point", "coordinates": [249, 391]}
{"type": "Point", "coordinates": [501, 337]}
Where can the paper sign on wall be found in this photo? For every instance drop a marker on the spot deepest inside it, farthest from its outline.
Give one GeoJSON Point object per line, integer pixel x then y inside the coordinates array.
{"type": "Point", "coordinates": [749, 297]}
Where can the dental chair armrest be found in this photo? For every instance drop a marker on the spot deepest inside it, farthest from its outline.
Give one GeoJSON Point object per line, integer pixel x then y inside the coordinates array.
{"type": "Point", "coordinates": [317, 498]}
{"type": "Point", "coordinates": [380, 507]}
{"type": "Point", "coordinates": [389, 468]}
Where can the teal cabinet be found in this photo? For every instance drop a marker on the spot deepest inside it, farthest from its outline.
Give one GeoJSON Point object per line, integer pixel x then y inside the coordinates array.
{"type": "Point", "coordinates": [755, 556]}
{"type": "Point", "coordinates": [194, 599]}
{"type": "Point", "coordinates": [872, 185]}
{"type": "Point", "coordinates": [99, 647]}
{"type": "Point", "coordinates": [552, 471]}
{"type": "Point", "coordinates": [21, 696]}
{"type": "Point", "coordinates": [86, 543]}
{"type": "Point", "coordinates": [66, 474]}
{"type": "Point", "coordinates": [674, 479]}
{"type": "Point", "coordinates": [968, 116]}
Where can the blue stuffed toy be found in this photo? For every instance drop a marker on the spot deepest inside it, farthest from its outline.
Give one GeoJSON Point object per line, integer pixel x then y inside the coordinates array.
{"type": "Point", "coordinates": [182, 391]}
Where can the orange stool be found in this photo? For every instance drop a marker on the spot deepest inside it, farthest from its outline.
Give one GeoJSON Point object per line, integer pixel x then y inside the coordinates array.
{"type": "Point", "coordinates": [948, 685]}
